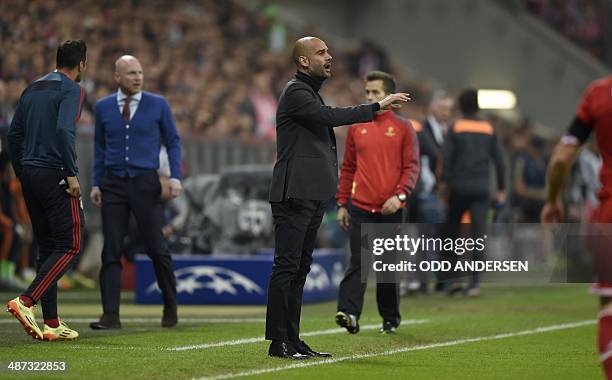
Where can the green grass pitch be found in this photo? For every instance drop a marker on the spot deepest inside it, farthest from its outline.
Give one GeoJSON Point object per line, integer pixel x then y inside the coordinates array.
{"type": "Point", "coordinates": [494, 336]}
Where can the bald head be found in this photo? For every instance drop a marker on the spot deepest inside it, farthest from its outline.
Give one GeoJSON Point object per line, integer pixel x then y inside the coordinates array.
{"type": "Point", "coordinates": [311, 56]}
{"type": "Point", "coordinates": [304, 47]}
{"type": "Point", "coordinates": [128, 74]}
{"type": "Point", "coordinates": [124, 61]}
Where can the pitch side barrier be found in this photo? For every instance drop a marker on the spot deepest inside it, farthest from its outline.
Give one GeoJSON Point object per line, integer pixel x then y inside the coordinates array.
{"type": "Point", "coordinates": [237, 280]}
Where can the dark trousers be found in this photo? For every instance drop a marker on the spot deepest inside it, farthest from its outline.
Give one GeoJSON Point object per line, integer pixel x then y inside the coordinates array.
{"type": "Point", "coordinates": [139, 195]}
{"type": "Point", "coordinates": [57, 222]}
{"type": "Point", "coordinates": [352, 289]}
{"type": "Point", "coordinates": [477, 203]}
{"type": "Point", "coordinates": [296, 222]}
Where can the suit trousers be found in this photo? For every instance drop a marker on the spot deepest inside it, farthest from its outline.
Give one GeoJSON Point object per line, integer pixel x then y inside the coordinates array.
{"type": "Point", "coordinates": [57, 221]}
{"type": "Point", "coordinates": [352, 289]}
{"type": "Point", "coordinates": [139, 195]}
{"type": "Point", "coordinates": [477, 203]}
{"type": "Point", "coordinates": [296, 222]}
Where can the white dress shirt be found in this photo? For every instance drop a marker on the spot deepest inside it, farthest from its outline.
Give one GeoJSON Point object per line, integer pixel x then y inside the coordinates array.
{"type": "Point", "coordinates": [438, 129]}
{"type": "Point", "coordinates": [121, 97]}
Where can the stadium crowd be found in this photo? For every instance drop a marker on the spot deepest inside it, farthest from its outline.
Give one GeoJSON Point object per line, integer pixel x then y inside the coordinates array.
{"type": "Point", "coordinates": [582, 21]}
{"type": "Point", "coordinates": [216, 62]}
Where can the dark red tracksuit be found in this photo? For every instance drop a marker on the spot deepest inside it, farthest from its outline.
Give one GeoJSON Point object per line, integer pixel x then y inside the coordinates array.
{"type": "Point", "coordinates": [381, 159]}
{"type": "Point", "coordinates": [42, 147]}
{"type": "Point", "coordinates": [594, 115]}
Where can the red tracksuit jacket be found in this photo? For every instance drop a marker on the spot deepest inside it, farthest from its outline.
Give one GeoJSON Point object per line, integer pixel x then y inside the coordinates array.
{"type": "Point", "coordinates": [381, 158]}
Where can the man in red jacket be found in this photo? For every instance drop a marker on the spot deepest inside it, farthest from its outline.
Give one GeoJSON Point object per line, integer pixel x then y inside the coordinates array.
{"type": "Point", "coordinates": [592, 116]}
{"type": "Point", "coordinates": [379, 171]}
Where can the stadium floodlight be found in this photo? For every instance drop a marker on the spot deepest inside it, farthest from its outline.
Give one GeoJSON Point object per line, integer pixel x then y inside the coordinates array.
{"type": "Point", "coordinates": [496, 99]}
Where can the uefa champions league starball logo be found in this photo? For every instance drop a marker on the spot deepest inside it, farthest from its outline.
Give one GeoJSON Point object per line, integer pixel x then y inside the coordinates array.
{"type": "Point", "coordinates": [320, 279]}
{"type": "Point", "coordinates": [217, 279]}
{"type": "Point", "coordinates": [317, 279]}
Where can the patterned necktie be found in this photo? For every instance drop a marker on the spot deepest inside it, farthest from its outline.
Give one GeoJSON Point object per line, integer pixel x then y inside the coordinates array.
{"type": "Point", "coordinates": [126, 110]}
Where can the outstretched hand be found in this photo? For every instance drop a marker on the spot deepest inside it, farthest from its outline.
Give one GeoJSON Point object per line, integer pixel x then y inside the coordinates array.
{"type": "Point", "coordinates": [394, 101]}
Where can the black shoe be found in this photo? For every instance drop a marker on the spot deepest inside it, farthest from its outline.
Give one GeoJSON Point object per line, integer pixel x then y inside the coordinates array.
{"type": "Point", "coordinates": [302, 348]}
{"type": "Point", "coordinates": [348, 321]}
{"type": "Point", "coordinates": [388, 328]}
{"type": "Point", "coordinates": [281, 349]}
{"type": "Point", "coordinates": [106, 322]}
{"type": "Point", "coordinates": [170, 318]}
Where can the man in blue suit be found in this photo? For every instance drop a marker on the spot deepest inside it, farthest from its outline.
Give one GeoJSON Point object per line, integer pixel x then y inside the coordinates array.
{"type": "Point", "coordinates": [131, 126]}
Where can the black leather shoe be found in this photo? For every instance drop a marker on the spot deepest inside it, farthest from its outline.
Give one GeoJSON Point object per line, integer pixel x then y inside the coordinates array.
{"type": "Point", "coordinates": [170, 318]}
{"type": "Point", "coordinates": [302, 348]}
{"type": "Point", "coordinates": [281, 349]}
{"type": "Point", "coordinates": [106, 322]}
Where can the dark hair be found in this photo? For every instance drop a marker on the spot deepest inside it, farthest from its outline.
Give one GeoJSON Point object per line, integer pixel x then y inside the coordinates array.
{"type": "Point", "coordinates": [537, 142]}
{"type": "Point", "coordinates": [71, 53]}
{"type": "Point", "coordinates": [387, 80]}
{"type": "Point", "coordinates": [468, 102]}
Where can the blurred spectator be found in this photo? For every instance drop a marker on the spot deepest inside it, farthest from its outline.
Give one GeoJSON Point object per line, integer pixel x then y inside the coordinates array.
{"type": "Point", "coordinates": [426, 207]}
{"type": "Point", "coordinates": [431, 140]}
{"type": "Point", "coordinates": [584, 185]}
{"type": "Point", "coordinates": [368, 58]}
{"type": "Point", "coordinates": [264, 104]}
{"type": "Point", "coordinates": [6, 107]}
{"type": "Point", "coordinates": [529, 186]}
{"type": "Point", "coordinates": [582, 21]}
{"type": "Point", "coordinates": [277, 35]}
{"type": "Point", "coordinates": [15, 226]}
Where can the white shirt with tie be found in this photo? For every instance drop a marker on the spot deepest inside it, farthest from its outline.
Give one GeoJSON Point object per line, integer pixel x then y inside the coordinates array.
{"type": "Point", "coordinates": [121, 97]}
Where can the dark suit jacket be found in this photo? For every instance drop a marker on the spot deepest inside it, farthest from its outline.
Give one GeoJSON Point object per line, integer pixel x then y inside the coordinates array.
{"type": "Point", "coordinates": [429, 145]}
{"type": "Point", "coordinates": [307, 164]}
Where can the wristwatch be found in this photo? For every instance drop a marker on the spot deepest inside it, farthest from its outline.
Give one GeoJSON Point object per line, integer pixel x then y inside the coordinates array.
{"type": "Point", "coordinates": [341, 205]}
{"type": "Point", "coordinates": [401, 197]}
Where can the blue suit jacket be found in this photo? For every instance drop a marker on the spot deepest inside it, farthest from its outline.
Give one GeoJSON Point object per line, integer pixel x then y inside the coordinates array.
{"type": "Point", "coordinates": [132, 149]}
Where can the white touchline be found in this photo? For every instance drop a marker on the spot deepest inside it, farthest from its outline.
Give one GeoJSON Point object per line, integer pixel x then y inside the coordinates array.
{"type": "Point", "coordinates": [234, 342]}
{"type": "Point", "coordinates": [401, 350]}
{"type": "Point", "coordinates": [262, 339]}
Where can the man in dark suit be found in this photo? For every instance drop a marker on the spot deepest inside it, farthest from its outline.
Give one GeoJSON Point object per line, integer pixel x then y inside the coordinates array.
{"type": "Point", "coordinates": [131, 125]}
{"type": "Point", "coordinates": [435, 125]}
{"type": "Point", "coordinates": [427, 207]}
{"type": "Point", "coordinates": [305, 178]}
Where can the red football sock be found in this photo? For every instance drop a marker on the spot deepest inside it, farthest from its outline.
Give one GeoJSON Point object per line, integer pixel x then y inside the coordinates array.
{"type": "Point", "coordinates": [54, 323]}
{"type": "Point", "coordinates": [26, 301]}
{"type": "Point", "coordinates": [604, 340]}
